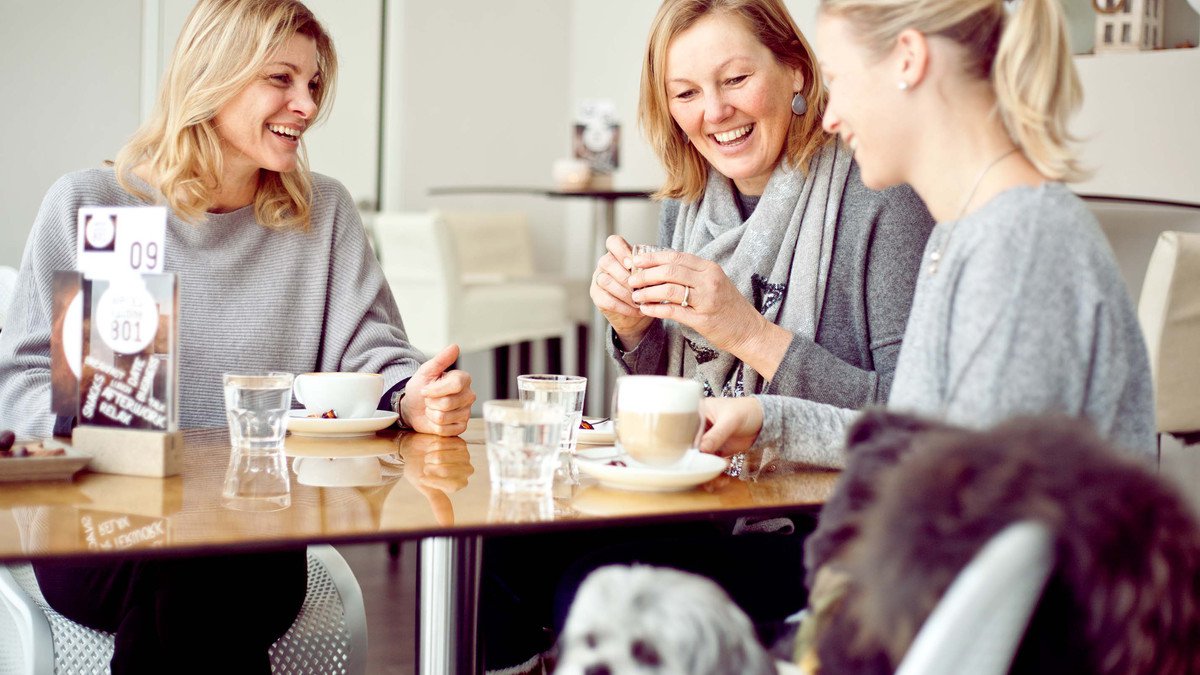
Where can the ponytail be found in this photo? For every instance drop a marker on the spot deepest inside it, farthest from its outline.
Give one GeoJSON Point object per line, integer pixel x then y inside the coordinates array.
{"type": "Point", "coordinates": [1037, 88]}
{"type": "Point", "coordinates": [1024, 53]}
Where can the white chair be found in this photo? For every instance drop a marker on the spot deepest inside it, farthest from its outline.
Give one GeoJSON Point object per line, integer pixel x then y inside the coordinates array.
{"type": "Point", "coordinates": [978, 624]}
{"type": "Point", "coordinates": [467, 300]}
{"type": "Point", "coordinates": [8, 281]}
{"type": "Point", "coordinates": [1169, 312]}
{"type": "Point", "coordinates": [328, 636]}
{"type": "Point", "coordinates": [1132, 228]}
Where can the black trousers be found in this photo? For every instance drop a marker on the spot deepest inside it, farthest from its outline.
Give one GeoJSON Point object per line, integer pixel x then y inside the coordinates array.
{"type": "Point", "coordinates": [188, 615]}
{"type": "Point", "coordinates": [529, 581]}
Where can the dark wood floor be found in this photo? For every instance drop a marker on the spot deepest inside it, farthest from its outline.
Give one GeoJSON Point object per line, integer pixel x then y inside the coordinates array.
{"type": "Point", "coordinates": [390, 595]}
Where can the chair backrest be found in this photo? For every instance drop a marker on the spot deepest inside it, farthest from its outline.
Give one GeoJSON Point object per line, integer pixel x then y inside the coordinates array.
{"type": "Point", "coordinates": [416, 253]}
{"type": "Point", "coordinates": [1169, 312]}
{"type": "Point", "coordinates": [978, 624]}
{"type": "Point", "coordinates": [491, 245]}
{"type": "Point", "coordinates": [1132, 227]}
{"type": "Point", "coordinates": [8, 282]}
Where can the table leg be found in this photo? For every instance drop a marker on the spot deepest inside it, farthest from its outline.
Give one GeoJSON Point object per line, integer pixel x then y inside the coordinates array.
{"type": "Point", "coordinates": [449, 605]}
{"type": "Point", "coordinates": [604, 223]}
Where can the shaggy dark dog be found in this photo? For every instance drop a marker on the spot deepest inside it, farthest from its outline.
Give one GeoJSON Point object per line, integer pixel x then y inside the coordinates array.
{"type": "Point", "coordinates": [920, 499]}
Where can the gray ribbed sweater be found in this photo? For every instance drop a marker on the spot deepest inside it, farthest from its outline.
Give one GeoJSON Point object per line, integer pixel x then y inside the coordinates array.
{"type": "Point", "coordinates": [851, 359]}
{"type": "Point", "coordinates": [251, 299]}
{"type": "Point", "coordinates": [1027, 314]}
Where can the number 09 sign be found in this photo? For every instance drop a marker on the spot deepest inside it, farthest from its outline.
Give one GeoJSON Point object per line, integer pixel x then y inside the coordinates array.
{"type": "Point", "coordinates": [112, 240]}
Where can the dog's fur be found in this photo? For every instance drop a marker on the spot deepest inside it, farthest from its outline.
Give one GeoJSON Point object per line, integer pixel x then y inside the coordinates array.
{"type": "Point", "coordinates": [642, 619]}
{"type": "Point", "coordinates": [1125, 594]}
{"type": "Point", "coordinates": [918, 499]}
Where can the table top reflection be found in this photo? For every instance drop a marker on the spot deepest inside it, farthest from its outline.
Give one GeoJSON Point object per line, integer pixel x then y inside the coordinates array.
{"type": "Point", "coordinates": [384, 487]}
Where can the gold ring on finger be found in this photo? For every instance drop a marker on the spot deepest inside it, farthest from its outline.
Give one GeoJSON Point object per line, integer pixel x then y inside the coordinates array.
{"type": "Point", "coordinates": [687, 290]}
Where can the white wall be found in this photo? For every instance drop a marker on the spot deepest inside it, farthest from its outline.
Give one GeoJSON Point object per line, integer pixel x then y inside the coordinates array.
{"type": "Point", "coordinates": [482, 100]}
{"type": "Point", "coordinates": [1139, 122]}
{"type": "Point", "coordinates": [61, 112]}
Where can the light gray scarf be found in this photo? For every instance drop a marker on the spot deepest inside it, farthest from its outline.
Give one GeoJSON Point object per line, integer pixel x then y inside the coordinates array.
{"type": "Point", "coordinates": [778, 258]}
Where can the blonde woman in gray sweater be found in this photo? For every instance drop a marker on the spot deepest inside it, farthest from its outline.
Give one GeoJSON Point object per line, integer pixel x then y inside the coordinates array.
{"type": "Point", "coordinates": [275, 273]}
{"type": "Point", "coordinates": [1019, 307]}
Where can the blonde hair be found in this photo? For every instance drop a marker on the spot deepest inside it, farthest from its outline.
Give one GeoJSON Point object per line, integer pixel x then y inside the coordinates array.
{"type": "Point", "coordinates": [770, 22]}
{"type": "Point", "coordinates": [223, 47]}
{"type": "Point", "coordinates": [1026, 56]}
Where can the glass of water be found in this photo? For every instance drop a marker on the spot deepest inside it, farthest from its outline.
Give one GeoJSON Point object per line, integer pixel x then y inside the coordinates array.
{"type": "Point", "coordinates": [522, 444]}
{"type": "Point", "coordinates": [257, 405]}
{"type": "Point", "coordinates": [563, 392]}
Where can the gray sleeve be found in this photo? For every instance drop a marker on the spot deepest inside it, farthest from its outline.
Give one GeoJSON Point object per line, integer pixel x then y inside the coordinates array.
{"type": "Point", "coordinates": [1032, 334]}
{"type": "Point", "coordinates": [363, 328]}
{"type": "Point", "coordinates": [797, 431]}
{"type": "Point", "coordinates": [649, 357]}
{"type": "Point", "coordinates": [25, 340]}
{"type": "Point", "coordinates": [881, 236]}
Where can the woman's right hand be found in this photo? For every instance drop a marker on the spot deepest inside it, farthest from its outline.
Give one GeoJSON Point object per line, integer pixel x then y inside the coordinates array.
{"type": "Point", "coordinates": [612, 295]}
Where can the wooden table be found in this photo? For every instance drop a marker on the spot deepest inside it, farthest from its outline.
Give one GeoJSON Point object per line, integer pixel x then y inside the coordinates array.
{"type": "Point", "coordinates": [443, 498]}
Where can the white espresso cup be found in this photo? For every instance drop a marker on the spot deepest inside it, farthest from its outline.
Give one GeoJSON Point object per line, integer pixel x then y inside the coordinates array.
{"type": "Point", "coordinates": [657, 417]}
{"type": "Point", "coordinates": [346, 394]}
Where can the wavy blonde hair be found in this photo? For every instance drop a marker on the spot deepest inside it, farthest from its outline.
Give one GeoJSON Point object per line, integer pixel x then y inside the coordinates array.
{"type": "Point", "coordinates": [223, 47]}
{"type": "Point", "coordinates": [770, 22]}
{"type": "Point", "coordinates": [1025, 55]}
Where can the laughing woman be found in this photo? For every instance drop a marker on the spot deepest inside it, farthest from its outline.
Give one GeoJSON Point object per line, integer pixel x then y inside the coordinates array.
{"type": "Point", "coordinates": [275, 273]}
{"type": "Point", "coordinates": [1020, 307]}
{"type": "Point", "coordinates": [788, 276]}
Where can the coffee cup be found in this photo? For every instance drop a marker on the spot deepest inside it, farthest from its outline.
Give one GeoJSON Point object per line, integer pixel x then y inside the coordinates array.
{"type": "Point", "coordinates": [337, 471]}
{"type": "Point", "coordinates": [346, 394]}
{"type": "Point", "coordinates": [657, 417]}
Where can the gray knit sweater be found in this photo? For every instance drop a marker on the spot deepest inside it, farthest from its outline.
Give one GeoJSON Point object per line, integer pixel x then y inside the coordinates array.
{"type": "Point", "coordinates": [850, 361]}
{"type": "Point", "coordinates": [251, 298]}
{"type": "Point", "coordinates": [1027, 314]}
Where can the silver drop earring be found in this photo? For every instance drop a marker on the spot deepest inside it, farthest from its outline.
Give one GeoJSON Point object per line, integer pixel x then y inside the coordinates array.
{"type": "Point", "coordinates": [799, 104]}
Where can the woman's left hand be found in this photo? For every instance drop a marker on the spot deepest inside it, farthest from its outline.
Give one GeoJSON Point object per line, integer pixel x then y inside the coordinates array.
{"type": "Point", "coordinates": [438, 401]}
{"type": "Point", "coordinates": [697, 293]}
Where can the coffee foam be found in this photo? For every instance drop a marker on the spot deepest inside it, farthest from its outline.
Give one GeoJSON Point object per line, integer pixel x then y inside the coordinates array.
{"type": "Point", "coordinates": [658, 393]}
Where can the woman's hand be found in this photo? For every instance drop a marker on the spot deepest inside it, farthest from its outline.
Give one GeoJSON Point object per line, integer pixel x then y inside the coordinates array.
{"type": "Point", "coordinates": [611, 293]}
{"type": "Point", "coordinates": [697, 293]}
{"type": "Point", "coordinates": [437, 401]}
{"type": "Point", "coordinates": [733, 424]}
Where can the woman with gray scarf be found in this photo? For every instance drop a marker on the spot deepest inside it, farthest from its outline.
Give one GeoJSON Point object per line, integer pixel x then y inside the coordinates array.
{"type": "Point", "coordinates": [787, 276]}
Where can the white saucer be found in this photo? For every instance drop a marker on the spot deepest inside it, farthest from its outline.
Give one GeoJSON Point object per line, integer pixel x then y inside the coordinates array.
{"type": "Point", "coordinates": [301, 424]}
{"type": "Point", "coordinates": [694, 469]}
{"type": "Point", "coordinates": [603, 434]}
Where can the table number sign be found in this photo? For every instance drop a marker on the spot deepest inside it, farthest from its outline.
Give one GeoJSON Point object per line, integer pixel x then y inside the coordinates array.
{"type": "Point", "coordinates": [115, 332]}
{"type": "Point", "coordinates": [114, 240]}
{"type": "Point", "coordinates": [113, 350]}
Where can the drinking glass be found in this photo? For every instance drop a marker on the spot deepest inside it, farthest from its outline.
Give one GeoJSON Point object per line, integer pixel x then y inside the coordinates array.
{"type": "Point", "coordinates": [256, 405]}
{"type": "Point", "coordinates": [563, 392]}
{"type": "Point", "coordinates": [641, 249]}
{"type": "Point", "coordinates": [522, 444]}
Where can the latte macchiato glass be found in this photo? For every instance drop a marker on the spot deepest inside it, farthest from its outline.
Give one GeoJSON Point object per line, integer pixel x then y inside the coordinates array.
{"type": "Point", "coordinates": [346, 394]}
{"type": "Point", "coordinates": [657, 417]}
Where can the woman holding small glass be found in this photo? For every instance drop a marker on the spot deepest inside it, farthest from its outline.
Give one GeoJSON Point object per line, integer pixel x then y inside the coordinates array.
{"type": "Point", "coordinates": [275, 273]}
{"type": "Point", "coordinates": [788, 276]}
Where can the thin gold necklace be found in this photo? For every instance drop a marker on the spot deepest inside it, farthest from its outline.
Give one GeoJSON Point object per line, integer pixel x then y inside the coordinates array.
{"type": "Point", "coordinates": [936, 255]}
